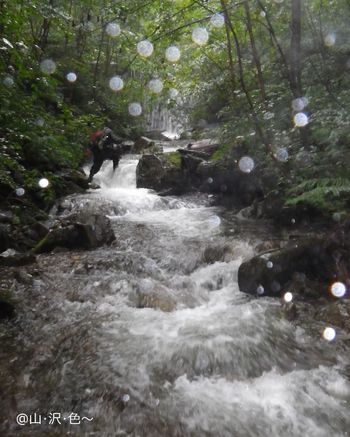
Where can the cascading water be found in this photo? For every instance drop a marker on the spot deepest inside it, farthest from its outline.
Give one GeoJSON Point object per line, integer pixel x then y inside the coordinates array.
{"type": "Point", "coordinates": [151, 337]}
{"type": "Point", "coordinates": [163, 119]}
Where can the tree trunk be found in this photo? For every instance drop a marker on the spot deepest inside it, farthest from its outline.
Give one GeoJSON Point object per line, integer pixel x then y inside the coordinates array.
{"type": "Point", "coordinates": [256, 58]}
{"type": "Point", "coordinates": [295, 49]}
{"type": "Point", "coordinates": [230, 57]}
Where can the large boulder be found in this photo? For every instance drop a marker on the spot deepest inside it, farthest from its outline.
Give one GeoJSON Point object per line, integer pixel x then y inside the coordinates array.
{"type": "Point", "coordinates": [208, 146]}
{"type": "Point", "coordinates": [75, 177]}
{"type": "Point", "coordinates": [78, 232]}
{"type": "Point", "coordinates": [187, 170]}
{"type": "Point", "coordinates": [310, 265]}
{"type": "Point", "coordinates": [273, 207]}
{"type": "Point", "coordinates": [224, 177]}
{"type": "Point", "coordinates": [161, 173]}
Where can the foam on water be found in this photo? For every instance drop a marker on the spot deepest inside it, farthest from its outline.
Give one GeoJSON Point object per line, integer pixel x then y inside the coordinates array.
{"type": "Point", "coordinates": [159, 322]}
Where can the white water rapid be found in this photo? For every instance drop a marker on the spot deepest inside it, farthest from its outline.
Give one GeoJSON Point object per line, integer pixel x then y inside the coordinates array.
{"type": "Point", "coordinates": [152, 337]}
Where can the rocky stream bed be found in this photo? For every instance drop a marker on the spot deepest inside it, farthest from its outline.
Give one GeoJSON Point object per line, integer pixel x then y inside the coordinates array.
{"type": "Point", "coordinates": [148, 333]}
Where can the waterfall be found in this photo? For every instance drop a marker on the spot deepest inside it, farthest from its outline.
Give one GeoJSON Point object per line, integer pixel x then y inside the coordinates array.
{"type": "Point", "coordinates": [163, 119]}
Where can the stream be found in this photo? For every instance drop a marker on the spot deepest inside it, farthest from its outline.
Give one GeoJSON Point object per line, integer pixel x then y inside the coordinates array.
{"type": "Point", "coordinates": [152, 337]}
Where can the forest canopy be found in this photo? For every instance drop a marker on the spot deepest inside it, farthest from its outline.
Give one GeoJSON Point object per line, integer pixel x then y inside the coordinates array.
{"type": "Point", "coordinates": [273, 74]}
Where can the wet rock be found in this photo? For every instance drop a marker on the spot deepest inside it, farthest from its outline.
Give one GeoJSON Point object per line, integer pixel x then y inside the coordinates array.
{"type": "Point", "coordinates": [161, 172]}
{"type": "Point", "coordinates": [337, 314]}
{"type": "Point", "coordinates": [127, 146]}
{"type": "Point", "coordinates": [274, 271]}
{"type": "Point", "coordinates": [290, 311]}
{"type": "Point", "coordinates": [307, 266]}
{"type": "Point", "coordinates": [143, 143]}
{"type": "Point", "coordinates": [189, 170]}
{"type": "Point", "coordinates": [23, 277]}
{"type": "Point", "coordinates": [6, 217]}
{"type": "Point", "coordinates": [213, 254]}
{"type": "Point", "coordinates": [7, 308]}
{"type": "Point", "coordinates": [11, 258]}
{"type": "Point", "coordinates": [157, 134]}
{"type": "Point", "coordinates": [35, 231]}
{"type": "Point", "coordinates": [273, 207]}
{"type": "Point", "coordinates": [209, 146]}
{"type": "Point", "coordinates": [4, 236]}
{"type": "Point", "coordinates": [151, 295]}
{"type": "Point", "coordinates": [78, 231]}
{"type": "Point", "coordinates": [76, 177]}
{"type": "Point", "coordinates": [221, 177]}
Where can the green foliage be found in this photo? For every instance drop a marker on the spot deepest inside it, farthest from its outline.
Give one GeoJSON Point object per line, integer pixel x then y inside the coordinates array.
{"type": "Point", "coordinates": [221, 152]}
{"type": "Point", "coordinates": [328, 194]}
{"type": "Point", "coordinates": [174, 158]}
{"type": "Point", "coordinates": [211, 88]}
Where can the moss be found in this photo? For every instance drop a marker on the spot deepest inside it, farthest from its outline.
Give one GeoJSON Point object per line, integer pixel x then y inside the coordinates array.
{"type": "Point", "coordinates": [221, 152]}
{"type": "Point", "coordinates": [174, 158]}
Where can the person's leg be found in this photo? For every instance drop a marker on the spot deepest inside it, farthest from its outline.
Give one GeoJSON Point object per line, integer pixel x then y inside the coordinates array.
{"type": "Point", "coordinates": [115, 160]}
{"type": "Point", "coordinates": [98, 161]}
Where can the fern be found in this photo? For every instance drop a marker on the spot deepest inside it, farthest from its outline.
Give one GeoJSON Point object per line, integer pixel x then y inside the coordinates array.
{"type": "Point", "coordinates": [319, 192]}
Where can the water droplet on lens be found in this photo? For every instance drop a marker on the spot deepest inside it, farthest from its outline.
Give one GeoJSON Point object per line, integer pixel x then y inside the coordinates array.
{"type": "Point", "coordinates": [210, 180]}
{"type": "Point", "coordinates": [135, 109]}
{"type": "Point", "coordinates": [269, 264]}
{"type": "Point", "coordinates": [217, 20]}
{"type": "Point", "coordinates": [48, 66]}
{"type": "Point", "coordinates": [20, 192]}
{"type": "Point", "coordinates": [200, 36]}
{"type": "Point", "coordinates": [288, 297]}
{"type": "Point", "coordinates": [44, 183]}
{"type": "Point", "coordinates": [330, 39]}
{"type": "Point", "coordinates": [299, 104]}
{"type": "Point", "coordinates": [8, 81]}
{"type": "Point", "coordinates": [156, 86]}
{"type": "Point", "coordinates": [246, 164]}
{"type": "Point", "coordinates": [301, 119]}
{"type": "Point", "coordinates": [172, 54]}
{"type": "Point", "coordinates": [329, 334]}
{"type": "Point", "coordinates": [282, 155]}
{"type": "Point", "coordinates": [215, 220]}
{"type": "Point", "coordinates": [338, 289]}
{"type": "Point", "coordinates": [125, 398]}
{"type": "Point", "coordinates": [116, 83]}
{"type": "Point", "coordinates": [173, 93]}
{"type": "Point", "coordinates": [71, 77]}
{"type": "Point", "coordinates": [145, 48]}
{"type": "Point", "coordinates": [260, 290]}
{"type": "Point", "coordinates": [40, 121]}
{"type": "Point", "coordinates": [113, 30]}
